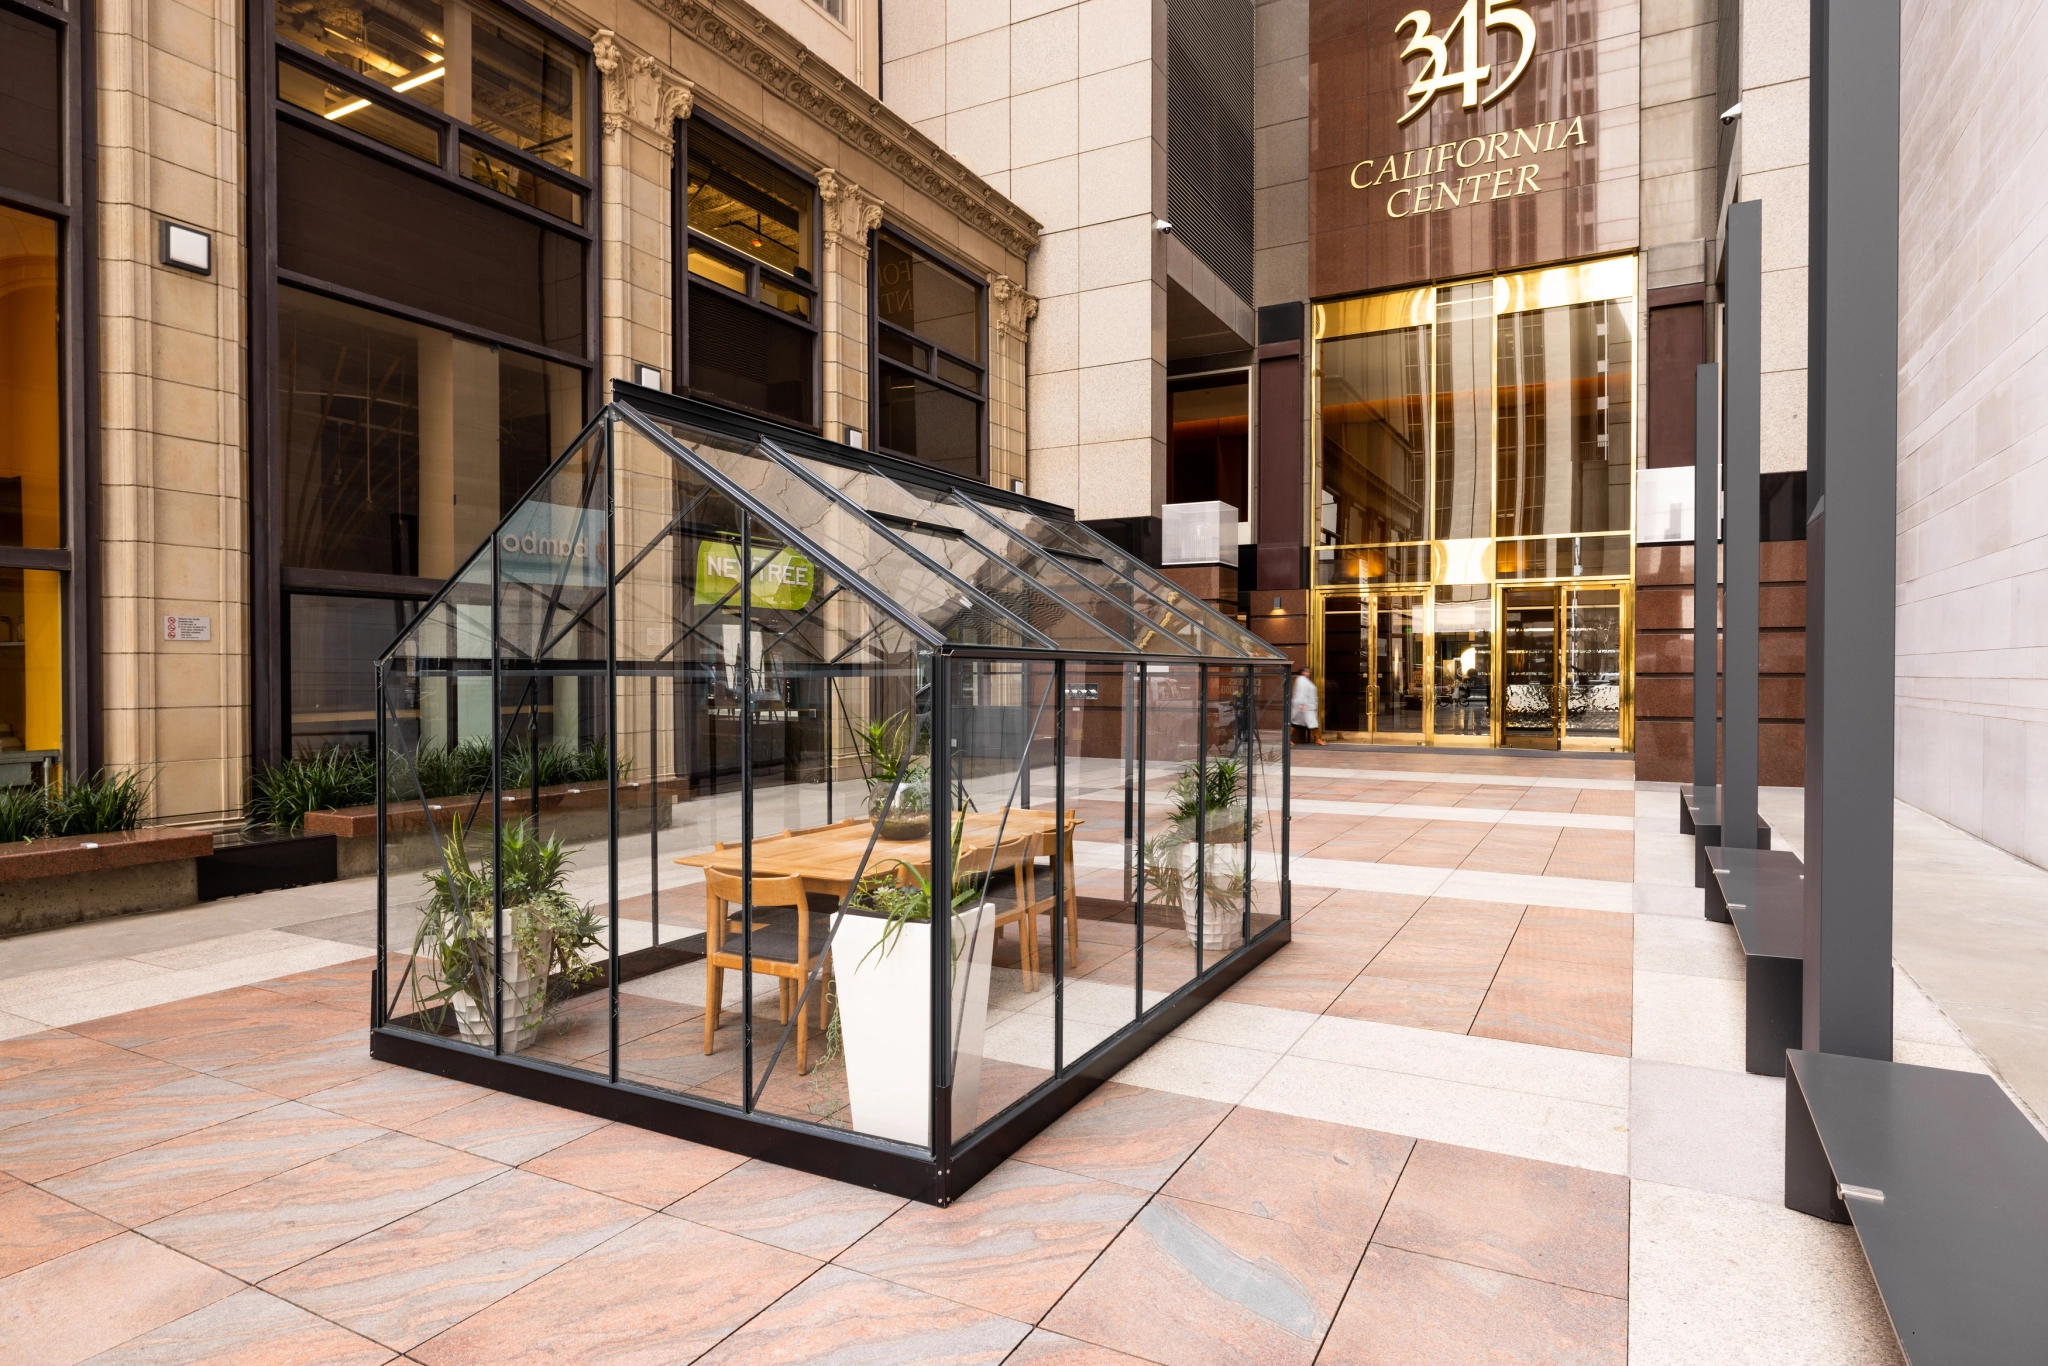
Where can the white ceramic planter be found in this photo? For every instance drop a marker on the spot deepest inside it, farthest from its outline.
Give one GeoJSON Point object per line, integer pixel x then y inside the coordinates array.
{"type": "Point", "coordinates": [885, 1021]}
{"type": "Point", "coordinates": [522, 993]}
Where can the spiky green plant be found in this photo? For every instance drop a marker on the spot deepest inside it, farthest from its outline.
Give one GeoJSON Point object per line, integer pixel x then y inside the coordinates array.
{"type": "Point", "coordinates": [100, 804]}
{"type": "Point", "coordinates": [24, 814]}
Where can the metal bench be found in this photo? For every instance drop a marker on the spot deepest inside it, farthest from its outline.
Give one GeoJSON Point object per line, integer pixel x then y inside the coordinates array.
{"type": "Point", "coordinates": [1699, 815]}
{"type": "Point", "coordinates": [1946, 1184]}
{"type": "Point", "coordinates": [1762, 892]}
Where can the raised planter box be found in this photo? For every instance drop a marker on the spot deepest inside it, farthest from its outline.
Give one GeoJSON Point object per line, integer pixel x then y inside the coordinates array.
{"type": "Point", "coordinates": [51, 882]}
{"type": "Point", "coordinates": [574, 811]}
{"type": "Point", "coordinates": [249, 865]}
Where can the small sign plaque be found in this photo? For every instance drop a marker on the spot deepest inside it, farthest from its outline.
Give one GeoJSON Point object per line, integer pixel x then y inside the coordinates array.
{"type": "Point", "coordinates": [188, 628]}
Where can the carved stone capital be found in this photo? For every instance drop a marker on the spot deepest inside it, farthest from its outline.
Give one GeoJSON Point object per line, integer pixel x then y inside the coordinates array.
{"type": "Point", "coordinates": [1011, 306]}
{"type": "Point", "coordinates": [639, 90]}
{"type": "Point", "coordinates": [851, 213]}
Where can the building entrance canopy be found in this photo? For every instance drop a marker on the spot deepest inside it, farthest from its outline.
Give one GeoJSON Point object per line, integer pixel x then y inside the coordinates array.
{"type": "Point", "coordinates": [814, 805]}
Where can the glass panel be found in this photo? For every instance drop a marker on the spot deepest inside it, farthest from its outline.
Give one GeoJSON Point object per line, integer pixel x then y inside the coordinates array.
{"type": "Point", "coordinates": [1101, 780]}
{"type": "Point", "coordinates": [953, 372]}
{"type": "Point", "coordinates": [916, 293]}
{"type": "Point", "coordinates": [1174, 817]}
{"type": "Point", "coordinates": [31, 674]}
{"type": "Point", "coordinates": [1564, 448]}
{"type": "Point", "coordinates": [1375, 482]}
{"type": "Point", "coordinates": [742, 199]}
{"type": "Point", "coordinates": [1528, 653]}
{"type": "Point", "coordinates": [1210, 444]}
{"type": "Point", "coordinates": [509, 178]}
{"type": "Point", "coordinates": [795, 302]}
{"type": "Point", "coordinates": [333, 688]}
{"type": "Point", "coordinates": [1398, 670]}
{"type": "Point", "coordinates": [1592, 670]}
{"type": "Point", "coordinates": [750, 358]}
{"type": "Point", "coordinates": [918, 419]}
{"type": "Point", "coordinates": [1266, 762]}
{"type": "Point", "coordinates": [1462, 619]}
{"type": "Point", "coordinates": [710, 266]}
{"type": "Point", "coordinates": [1463, 390]}
{"type": "Point", "coordinates": [1346, 691]}
{"type": "Point", "coordinates": [896, 347]}
{"type": "Point", "coordinates": [403, 444]}
{"type": "Point", "coordinates": [346, 109]}
{"type": "Point", "coordinates": [1230, 866]}
{"type": "Point", "coordinates": [1566, 557]}
{"type": "Point", "coordinates": [1374, 564]}
{"type": "Point", "coordinates": [31, 429]}
{"type": "Point", "coordinates": [31, 106]}
{"type": "Point", "coordinates": [403, 47]}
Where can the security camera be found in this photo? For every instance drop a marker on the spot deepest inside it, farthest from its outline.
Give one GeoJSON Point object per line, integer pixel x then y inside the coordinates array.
{"type": "Point", "coordinates": [1162, 225]}
{"type": "Point", "coordinates": [1732, 112]}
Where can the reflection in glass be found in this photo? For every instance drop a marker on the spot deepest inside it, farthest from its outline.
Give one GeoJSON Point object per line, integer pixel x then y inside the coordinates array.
{"type": "Point", "coordinates": [1528, 665]}
{"type": "Point", "coordinates": [1209, 443]}
{"type": "Point", "coordinates": [1463, 389]}
{"type": "Point", "coordinates": [30, 428]}
{"type": "Point", "coordinates": [509, 178]}
{"type": "Point", "coordinates": [333, 694]}
{"type": "Point", "coordinates": [346, 109]}
{"type": "Point", "coordinates": [917, 294]}
{"type": "Point", "coordinates": [921, 420]}
{"type": "Point", "coordinates": [1375, 459]}
{"type": "Point", "coordinates": [1462, 668]}
{"type": "Point", "coordinates": [742, 200]}
{"type": "Point", "coordinates": [1592, 669]}
{"type": "Point", "coordinates": [1565, 452]}
{"type": "Point", "coordinates": [31, 670]}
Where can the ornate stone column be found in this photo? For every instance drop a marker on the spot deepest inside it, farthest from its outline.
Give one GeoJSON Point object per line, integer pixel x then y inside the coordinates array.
{"type": "Point", "coordinates": [851, 213]}
{"type": "Point", "coordinates": [1011, 309]}
{"type": "Point", "coordinates": [642, 101]}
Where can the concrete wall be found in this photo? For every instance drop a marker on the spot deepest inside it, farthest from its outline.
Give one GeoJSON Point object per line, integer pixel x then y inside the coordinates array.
{"type": "Point", "coordinates": [1973, 421]}
{"type": "Point", "coordinates": [1771, 157]}
{"type": "Point", "coordinates": [1280, 152]}
{"type": "Point", "coordinates": [1062, 107]}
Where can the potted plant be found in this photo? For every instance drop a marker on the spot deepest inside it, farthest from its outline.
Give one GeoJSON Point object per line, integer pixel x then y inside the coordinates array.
{"type": "Point", "coordinates": [546, 935]}
{"type": "Point", "coordinates": [1217, 809]}
{"type": "Point", "coordinates": [898, 778]}
{"type": "Point", "coordinates": [882, 969]}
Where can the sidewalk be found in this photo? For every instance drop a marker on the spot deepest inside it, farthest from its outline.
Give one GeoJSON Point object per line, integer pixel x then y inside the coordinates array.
{"type": "Point", "coordinates": [1488, 1105]}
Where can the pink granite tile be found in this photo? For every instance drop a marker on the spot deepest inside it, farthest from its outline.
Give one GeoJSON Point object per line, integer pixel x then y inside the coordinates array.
{"type": "Point", "coordinates": [345, 986]}
{"type": "Point", "coordinates": [1539, 1220]}
{"type": "Point", "coordinates": [508, 1129]}
{"type": "Point", "coordinates": [36, 1226]}
{"type": "Point", "coordinates": [1051, 1349]}
{"type": "Point", "coordinates": [263, 1228]}
{"type": "Point", "coordinates": [100, 1296]}
{"type": "Point", "coordinates": [1132, 1135]}
{"type": "Point", "coordinates": [392, 1096]}
{"type": "Point", "coordinates": [1300, 1171]}
{"type": "Point", "coordinates": [841, 1318]}
{"type": "Point", "coordinates": [1192, 1285]}
{"type": "Point", "coordinates": [1012, 1245]}
{"type": "Point", "coordinates": [222, 1028]}
{"type": "Point", "coordinates": [789, 1209]}
{"type": "Point", "coordinates": [95, 1132]}
{"type": "Point", "coordinates": [1567, 981]}
{"type": "Point", "coordinates": [412, 1279]}
{"type": "Point", "coordinates": [1419, 1005]}
{"type": "Point", "coordinates": [49, 1048]}
{"type": "Point", "coordinates": [1405, 1308]}
{"type": "Point", "coordinates": [91, 1072]}
{"type": "Point", "coordinates": [299, 1071]}
{"type": "Point", "coordinates": [646, 1168]}
{"type": "Point", "coordinates": [247, 1329]}
{"type": "Point", "coordinates": [166, 1177]}
{"type": "Point", "coordinates": [663, 1291]}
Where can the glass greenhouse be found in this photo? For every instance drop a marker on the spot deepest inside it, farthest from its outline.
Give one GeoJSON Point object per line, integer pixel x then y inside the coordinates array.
{"type": "Point", "coordinates": [721, 713]}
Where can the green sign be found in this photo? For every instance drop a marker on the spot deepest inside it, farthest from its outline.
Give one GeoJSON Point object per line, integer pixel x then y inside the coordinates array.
{"type": "Point", "coordinates": [782, 578]}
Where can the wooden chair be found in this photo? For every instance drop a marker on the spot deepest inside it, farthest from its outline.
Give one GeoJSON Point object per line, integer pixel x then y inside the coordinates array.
{"type": "Point", "coordinates": [1018, 903]}
{"type": "Point", "coordinates": [782, 947]}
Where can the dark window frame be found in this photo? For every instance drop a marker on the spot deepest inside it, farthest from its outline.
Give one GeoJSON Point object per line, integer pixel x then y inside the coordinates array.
{"type": "Point", "coordinates": [877, 361]}
{"type": "Point", "coordinates": [75, 214]}
{"type": "Point", "coordinates": [270, 580]}
{"type": "Point", "coordinates": [685, 238]}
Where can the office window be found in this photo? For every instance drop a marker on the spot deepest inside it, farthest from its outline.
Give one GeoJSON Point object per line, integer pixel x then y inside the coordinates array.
{"type": "Point", "coordinates": [31, 394]}
{"type": "Point", "coordinates": [1209, 449]}
{"type": "Point", "coordinates": [928, 363]}
{"type": "Point", "coordinates": [749, 308]}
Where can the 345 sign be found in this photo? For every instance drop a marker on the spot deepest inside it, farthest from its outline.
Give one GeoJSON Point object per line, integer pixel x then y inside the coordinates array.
{"type": "Point", "coordinates": [1474, 18]}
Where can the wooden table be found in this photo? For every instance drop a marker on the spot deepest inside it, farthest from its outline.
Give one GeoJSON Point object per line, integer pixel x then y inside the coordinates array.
{"type": "Point", "coordinates": [828, 858]}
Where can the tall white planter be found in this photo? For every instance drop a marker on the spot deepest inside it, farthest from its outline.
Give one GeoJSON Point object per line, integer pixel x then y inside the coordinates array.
{"type": "Point", "coordinates": [885, 1021]}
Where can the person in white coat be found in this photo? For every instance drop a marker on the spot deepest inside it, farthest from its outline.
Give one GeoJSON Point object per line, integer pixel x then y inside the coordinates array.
{"type": "Point", "coordinates": [1301, 710]}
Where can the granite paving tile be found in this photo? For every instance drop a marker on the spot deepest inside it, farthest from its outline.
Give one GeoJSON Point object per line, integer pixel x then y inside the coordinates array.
{"type": "Point", "coordinates": [250, 1328]}
{"type": "Point", "coordinates": [262, 1229]}
{"type": "Point", "coordinates": [649, 1169]}
{"type": "Point", "coordinates": [788, 1209]}
{"type": "Point", "coordinates": [345, 986]}
{"type": "Point", "coordinates": [1306, 1172]}
{"type": "Point", "coordinates": [298, 1024]}
{"type": "Point", "coordinates": [1297, 978]}
{"type": "Point", "coordinates": [1567, 981]}
{"type": "Point", "coordinates": [1012, 1245]}
{"type": "Point", "coordinates": [1131, 1135]}
{"type": "Point", "coordinates": [840, 1317]}
{"type": "Point", "coordinates": [140, 1029]}
{"type": "Point", "coordinates": [663, 1291]}
{"type": "Point", "coordinates": [107, 1128]}
{"type": "Point", "coordinates": [1421, 1005]}
{"type": "Point", "coordinates": [150, 1183]}
{"type": "Point", "coordinates": [1190, 1285]}
{"type": "Point", "coordinates": [36, 1227]}
{"type": "Point", "coordinates": [68, 1309]}
{"type": "Point", "coordinates": [50, 1088]}
{"type": "Point", "coordinates": [297, 1072]}
{"type": "Point", "coordinates": [26, 1053]}
{"type": "Point", "coordinates": [1536, 1220]}
{"type": "Point", "coordinates": [412, 1279]}
{"type": "Point", "coordinates": [391, 1096]}
{"type": "Point", "coordinates": [1453, 942]}
{"type": "Point", "coordinates": [1044, 1348]}
{"type": "Point", "coordinates": [1405, 1308]}
{"type": "Point", "coordinates": [508, 1129]}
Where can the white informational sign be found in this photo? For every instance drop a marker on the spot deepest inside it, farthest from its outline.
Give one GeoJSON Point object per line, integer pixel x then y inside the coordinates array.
{"type": "Point", "coordinates": [188, 628]}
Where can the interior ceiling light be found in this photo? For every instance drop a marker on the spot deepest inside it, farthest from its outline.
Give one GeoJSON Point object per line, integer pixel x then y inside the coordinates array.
{"type": "Point", "coordinates": [429, 74]}
{"type": "Point", "coordinates": [351, 107]}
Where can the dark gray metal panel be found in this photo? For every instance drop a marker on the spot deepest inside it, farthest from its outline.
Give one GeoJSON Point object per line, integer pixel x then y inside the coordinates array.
{"type": "Point", "coordinates": [1851, 552]}
{"type": "Point", "coordinates": [1959, 1243]}
{"type": "Point", "coordinates": [1706, 532]}
{"type": "Point", "coordinates": [1741, 444]}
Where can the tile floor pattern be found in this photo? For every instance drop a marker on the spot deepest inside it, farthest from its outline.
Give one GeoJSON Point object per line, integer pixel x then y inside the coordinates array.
{"type": "Point", "coordinates": [1435, 1128]}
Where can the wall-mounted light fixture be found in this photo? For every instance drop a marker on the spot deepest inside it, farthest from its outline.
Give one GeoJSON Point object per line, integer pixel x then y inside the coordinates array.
{"type": "Point", "coordinates": [186, 248]}
{"type": "Point", "coordinates": [856, 439]}
{"type": "Point", "coordinates": [647, 376]}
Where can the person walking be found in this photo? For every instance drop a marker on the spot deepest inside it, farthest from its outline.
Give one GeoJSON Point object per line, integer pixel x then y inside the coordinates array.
{"type": "Point", "coordinates": [1301, 710]}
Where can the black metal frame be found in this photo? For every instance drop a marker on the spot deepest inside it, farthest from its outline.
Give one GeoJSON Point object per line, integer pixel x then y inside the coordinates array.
{"type": "Point", "coordinates": [943, 1173]}
{"type": "Point", "coordinates": [679, 191]}
{"type": "Point", "coordinates": [76, 217]}
{"type": "Point", "coordinates": [270, 579]}
{"type": "Point", "coordinates": [930, 374]}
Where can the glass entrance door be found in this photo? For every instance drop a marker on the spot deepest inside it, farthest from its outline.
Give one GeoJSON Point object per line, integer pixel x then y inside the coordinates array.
{"type": "Point", "coordinates": [1374, 677]}
{"type": "Point", "coordinates": [1593, 667]}
{"type": "Point", "coordinates": [1531, 716]}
